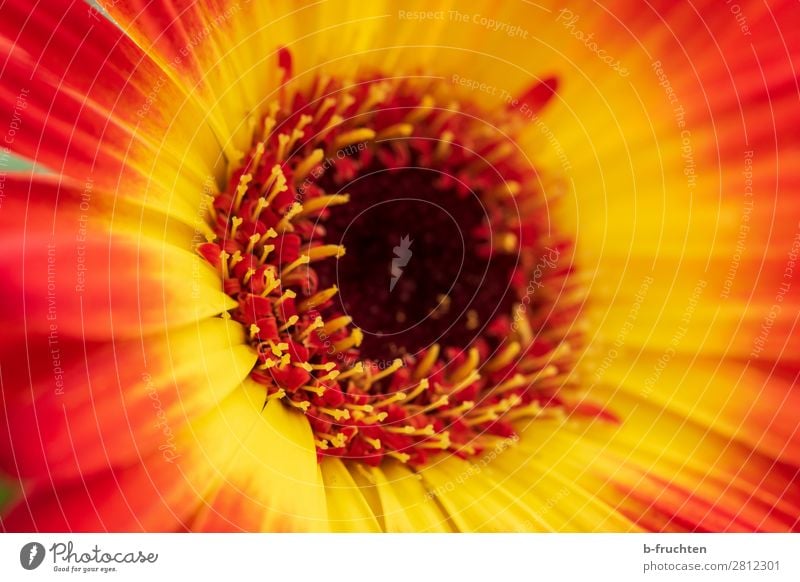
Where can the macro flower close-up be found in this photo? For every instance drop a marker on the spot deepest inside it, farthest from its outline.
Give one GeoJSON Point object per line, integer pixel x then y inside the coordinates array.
{"type": "Point", "coordinates": [272, 266]}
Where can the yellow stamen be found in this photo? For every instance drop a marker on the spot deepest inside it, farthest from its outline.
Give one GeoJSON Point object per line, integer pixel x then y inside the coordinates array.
{"type": "Point", "coordinates": [318, 298]}
{"type": "Point", "coordinates": [377, 93]}
{"type": "Point", "coordinates": [523, 326]}
{"type": "Point", "coordinates": [265, 251]}
{"type": "Point", "coordinates": [336, 324]}
{"type": "Point", "coordinates": [444, 145]}
{"type": "Point", "coordinates": [332, 123]}
{"type": "Point", "coordinates": [307, 164]}
{"type": "Point", "coordinates": [427, 362]}
{"type": "Point", "coordinates": [328, 366]}
{"type": "Point", "coordinates": [302, 405]}
{"type": "Point", "coordinates": [465, 369]}
{"type": "Point", "coordinates": [257, 156]}
{"type": "Point", "coordinates": [261, 204]}
{"type": "Point", "coordinates": [354, 340]}
{"type": "Point", "coordinates": [301, 260]}
{"type": "Point", "coordinates": [438, 403]}
{"type": "Point", "coordinates": [316, 324]}
{"type": "Point", "coordinates": [277, 395]}
{"type": "Point", "coordinates": [321, 202]}
{"type": "Point", "coordinates": [270, 282]}
{"type": "Point", "coordinates": [402, 457]}
{"type": "Point", "coordinates": [236, 259]}
{"type": "Point", "coordinates": [283, 142]}
{"type": "Point", "coordinates": [223, 261]}
{"type": "Point", "coordinates": [332, 375]}
{"type": "Point", "coordinates": [361, 407]}
{"type": "Point", "coordinates": [288, 294]}
{"type": "Point", "coordinates": [277, 349]}
{"type": "Point", "coordinates": [422, 110]}
{"type": "Point", "coordinates": [337, 440]}
{"type": "Point", "coordinates": [289, 323]}
{"type": "Point", "coordinates": [375, 443]}
{"type": "Point", "coordinates": [468, 381]}
{"type": "Point", "coordinates": [248, 275]}
{"type": "Point", "coordinates": [337, 414]}
{"type": "Point", "coordinates": [438, 441]}
{"type": "Point", "coordinates": [516, 381]}
{"type": "Point", "coordinates": [420, 388]}
{"type": "Point", "coordinates": [395, 131]}
{"type": "Point", "coordinates": [244, 180]}
{"type": "Point", "coordinates": [270, 363]}
{"type": "Point", "coordinates": [326, 106]}
{"type": "Point", "coordinates": [318, 390]}
{"type": "Point", "coordinates": [504, 358]}
{"type": "Point", "coordinates": [356, 370]}
{"type": "Point", "coordinates": [267, 235]}
{"type": "Point", "coordinates": [285, 224]}
{"type": "Point", "coordinates": [236, 222]}
{"type": "Point", "coordinates": [396, 397]}
{"type": "Point", "coordinates": [321, 252]}
{"type": "Point", "coordinates": [208, 201]}
{"type": "Point", "coordinates": [506, 242]}
{"type": "Point", "coordinates": [506, 190]}
{"type": "Point", "coordinates": [375, 418]}
{"type": "Point", "coordinates": [252, 243]}
{"type": "Point", "coordinates": [396, 365]}
{"type": "Point", "coordinates": [411, 430]}
{"type": "Point", "coordinates": [353, 136]}
{"type": "Point", "coordinates": [459, 410]}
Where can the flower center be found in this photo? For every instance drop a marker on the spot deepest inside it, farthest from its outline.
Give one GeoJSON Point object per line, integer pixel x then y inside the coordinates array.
{"type": "Point", "coordinates": [388, 249]}
{"type": "Point", "coordinates": [418, 270]}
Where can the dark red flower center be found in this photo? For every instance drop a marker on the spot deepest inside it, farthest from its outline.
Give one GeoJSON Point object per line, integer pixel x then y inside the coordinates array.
{"type": "Point", "coordinates": [419, 268]}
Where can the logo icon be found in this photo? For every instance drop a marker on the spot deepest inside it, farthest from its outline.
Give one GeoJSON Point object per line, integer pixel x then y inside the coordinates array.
{"type": "Point", "coordinates": [31, 555]}
{"type": "Point", "coordinates": [402, 256]}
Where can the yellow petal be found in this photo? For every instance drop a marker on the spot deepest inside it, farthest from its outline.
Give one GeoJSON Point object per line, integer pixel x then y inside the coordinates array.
{"type": "Point", "coordinates": [267, 478]}
{"type": "Point", "coordinates": [348, 511]}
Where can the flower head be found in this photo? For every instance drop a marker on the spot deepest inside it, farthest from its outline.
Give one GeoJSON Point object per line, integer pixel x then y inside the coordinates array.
{"type": "Point", "coordinates": [346, 267]}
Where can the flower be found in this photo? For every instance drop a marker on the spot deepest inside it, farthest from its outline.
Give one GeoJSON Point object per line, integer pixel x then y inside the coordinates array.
{"type": "Point", "coordinates": [347, 267]}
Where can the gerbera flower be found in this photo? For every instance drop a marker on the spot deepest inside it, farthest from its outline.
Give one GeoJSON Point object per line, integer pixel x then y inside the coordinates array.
{"type": "Point", "coordinates": [368, 267]}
